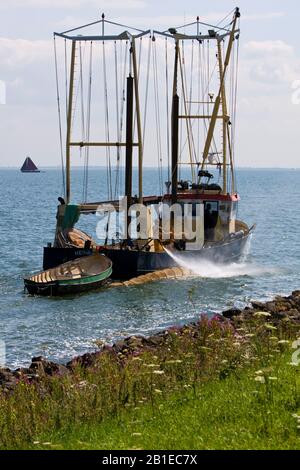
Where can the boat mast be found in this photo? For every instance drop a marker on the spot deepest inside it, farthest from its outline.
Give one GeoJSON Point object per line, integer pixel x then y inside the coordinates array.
{"type": "Point", "coordinates": [225, 118]}
{"type": "Point", "coordinates": [129, 147]}
{"type": "Point", "coordinates": [124, 36]}
{"type": "Point", "coordinates": [175, 118]}
{"type": "Point", "coordinates": [138, 118]}
{"type": "Point", "coordinates": [69, 124]}
{"type": "Point", "coordinates": [218, 102]}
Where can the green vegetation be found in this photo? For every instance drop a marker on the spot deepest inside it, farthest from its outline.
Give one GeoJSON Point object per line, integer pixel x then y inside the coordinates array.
{"type": "Point", "coordinates": [207, 386]}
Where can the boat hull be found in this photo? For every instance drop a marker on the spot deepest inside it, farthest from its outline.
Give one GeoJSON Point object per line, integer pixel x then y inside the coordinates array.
{"type": "Point", "coordinates": [131, 263]}
{"type": "Point", "coordinates": [55, 256]}
{"type": "Point", "coordinates": [59, 289]}
{"type": "Point", "coordinates": [128, 264]}
{"type": "Point", "coordinates": [75, 276]}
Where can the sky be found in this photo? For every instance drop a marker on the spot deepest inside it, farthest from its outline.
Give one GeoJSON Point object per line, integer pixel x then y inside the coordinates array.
{"type": "Point", "coordinates": [269, 73]}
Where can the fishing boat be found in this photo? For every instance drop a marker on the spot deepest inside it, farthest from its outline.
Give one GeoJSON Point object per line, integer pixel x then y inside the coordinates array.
{"type": "Point", "coordinates": [29, 167]}
{"type": "Point", "coordinates": [79, 275]}
{"type": "Point", "coordinates": [199, 133]}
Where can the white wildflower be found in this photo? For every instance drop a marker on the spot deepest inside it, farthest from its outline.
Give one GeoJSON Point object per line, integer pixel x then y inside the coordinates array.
{"type": "Point", "coordinates": [260, 379]}
{"type": "Point", "coordinates": [262, 314]}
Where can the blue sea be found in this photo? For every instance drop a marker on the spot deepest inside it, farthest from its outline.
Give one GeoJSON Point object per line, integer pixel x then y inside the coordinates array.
{"type": "Point", "coordinates": [60, 328]}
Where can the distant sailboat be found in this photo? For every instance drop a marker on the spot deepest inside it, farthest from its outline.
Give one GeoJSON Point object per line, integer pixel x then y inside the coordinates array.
{"type": "Point", "coordinates": [29, 166]}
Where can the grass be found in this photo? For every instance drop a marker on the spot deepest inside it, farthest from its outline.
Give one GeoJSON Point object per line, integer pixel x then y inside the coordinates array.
{"type": "Point", "coordinates": [210, 387]}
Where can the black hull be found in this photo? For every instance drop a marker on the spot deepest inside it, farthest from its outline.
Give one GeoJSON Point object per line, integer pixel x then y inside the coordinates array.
{"type": "Point", "coordinates": [54, 289]}
{"type": "Point", "coordinates": [128, 264]}
{"type": "Point", "coordinates": [55, 256]}
{"type": "Point", "coordinates": [131, 263]}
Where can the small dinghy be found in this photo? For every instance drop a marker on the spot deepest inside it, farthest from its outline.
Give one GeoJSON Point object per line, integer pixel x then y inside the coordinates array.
{"type": "Point", "coordinates": [80, 275]}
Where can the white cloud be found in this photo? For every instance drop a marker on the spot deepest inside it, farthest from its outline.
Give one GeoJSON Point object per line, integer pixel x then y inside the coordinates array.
{"type": "Point", "coordinates": [270, 63]}
{"type": "Point", "coordinates": [28, 71]}
{"type": "Point", "coordinates": [266, 48]}
{"type": "Point", "coordinates": [99, 4]}
{"type": "Point", "coordinates": [264, 16]}
{"type": "Point", "coordinates": [17, 53]}
{"type": "Point", "coordinates": [217, 16]}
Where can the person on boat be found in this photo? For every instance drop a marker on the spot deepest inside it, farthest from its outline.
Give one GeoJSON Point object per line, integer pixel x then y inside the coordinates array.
{"type": "Point", "coordinates": [209, 222]}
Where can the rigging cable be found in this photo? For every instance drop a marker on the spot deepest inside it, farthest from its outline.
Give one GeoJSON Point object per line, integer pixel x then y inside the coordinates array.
{"type": "Point", "coordinates": [118, 119]}
{"type": "Point", "coordinates": [167, 110]}
{"type": "Point", "coordinates": [66, 76]}
{"type": "Point", "coordinates": [108, 153]}
{"type": "Point", "coordinates": [123, 91]}
{"type": "Point", "coordinates": [138, 78]}
{"type": "Point", "coordinates": [157, 118]}
{"type": "Point", "coordinates": [82, 118]}
{"type": "Point", "coordinates": [235, 101]}
{"type": "Point", "coordinates": [205, 80]}
{"type": "Point", "coordinates": [107, 133]}
{"type": "Point", "coordinates": [189, 133]}
{"type": "Point", "coordinates": [59, 121]}
{"type": "Point", "coordinates": [88, 125]}
{"type": "Point", "coordinates": [147, 85]}
{"type": "Point", "coordinates": [198, 99]}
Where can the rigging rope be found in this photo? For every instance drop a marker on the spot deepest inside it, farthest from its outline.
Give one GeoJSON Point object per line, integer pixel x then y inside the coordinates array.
{"type": "Point", "coordinates": [88, 126]}
{"type": "Point", "coordinates": [157, 119]}
{"type": "Point", "coordinates": [66, 77]}
{"type": "Point", "coordinates": [205, 82]}
{"type": "Point", "coordinates": [138, 78]}
{"type": "Point", "coordinates": [122, 91]}
{"type": "Point", "coordinates": [82, 115]}
{"type": "Point", "coordinates": [107, 132]}
{"type": "Point", "coordinates": [108, 153]}
{"type": "Point", "coordinates": [147, 86]}
{"type": "Point", "coordinates": [188, 122]}
{"type": "Point", "coordinates": [59, 121]}
{"type": "Point", "coordinates": [167, 110]}
{"type": "Point", "coordinates": [233, 135]}
{"type": "Point", "coordinates": [118, 120]}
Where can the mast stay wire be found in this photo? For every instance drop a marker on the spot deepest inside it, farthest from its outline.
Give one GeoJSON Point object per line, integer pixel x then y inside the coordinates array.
{"type": "Point", "coordinates": [107, 130]}
{"type": "Point", "coordinates": [82, 117]}
{"type": "Point", "coordinates": [147, 85]}
{"type": "Point", "coordinates": [205, 88]}
{"type": "Point", "coordinates": [188, 121]}
{"type": "Point", "coordinates": [157, 118]}
{"type": "Point", "coordinates": [138, 79]}
{"type": "Point", "coordinates": [59, 121]}
{"type": "Point", "coordinates": [233, 130]}
{"type": "Point", "coordinates": [88, 125]}
{"type": "Point", "coordinates": [167, 109]}
{"type": "Point", "coordinates": [117, 118]}
{"type": "Point", "coordinates": [66, 76]}
{"type": "Point", "coordinates": [122, 95]}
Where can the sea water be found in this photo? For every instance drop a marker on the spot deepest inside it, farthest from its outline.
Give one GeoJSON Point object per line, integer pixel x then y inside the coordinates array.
{"type": "Point", "coordinates": [60, 328]}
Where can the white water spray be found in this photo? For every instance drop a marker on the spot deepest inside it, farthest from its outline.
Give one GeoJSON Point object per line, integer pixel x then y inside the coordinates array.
{"type": "Point", "coordinates": [208, 269]}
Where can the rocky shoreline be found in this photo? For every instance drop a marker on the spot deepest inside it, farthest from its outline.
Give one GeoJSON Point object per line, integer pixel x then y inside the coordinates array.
{"type": "Point", "coordinates": [281, 309]}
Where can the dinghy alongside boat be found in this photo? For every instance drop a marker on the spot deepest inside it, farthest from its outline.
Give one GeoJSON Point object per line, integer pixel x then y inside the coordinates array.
{"type": "Point", "coordinates": [79, 275]}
